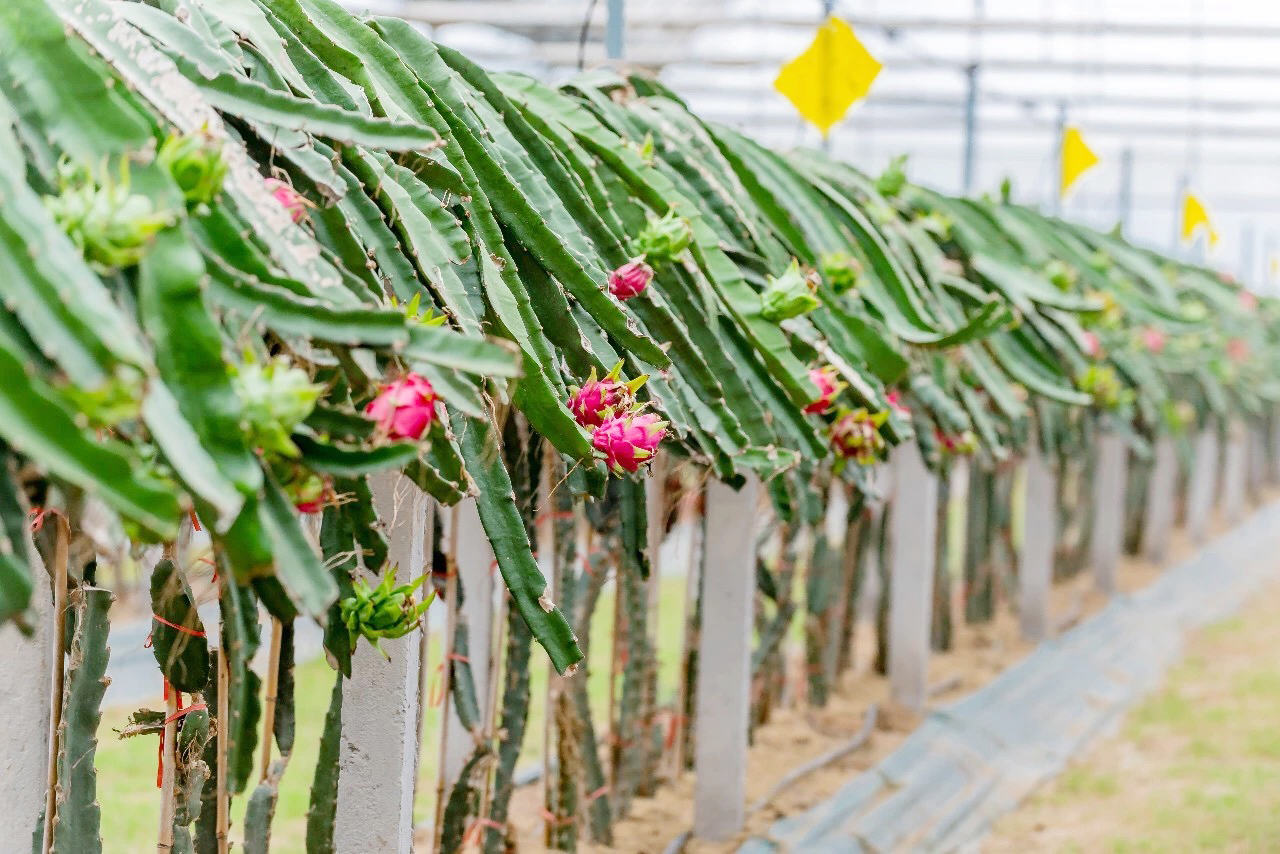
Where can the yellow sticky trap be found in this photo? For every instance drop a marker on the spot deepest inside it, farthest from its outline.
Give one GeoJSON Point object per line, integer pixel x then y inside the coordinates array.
{"type": "Point", "coordinates": [833, 72]}
{"type": "Point", "coordinates": [1077, 158]}
{"type": "Point", "coordinates": [1194, 217]}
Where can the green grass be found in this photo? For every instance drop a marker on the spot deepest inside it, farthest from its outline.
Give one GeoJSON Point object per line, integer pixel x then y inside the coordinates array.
{"type": "Point", "coordinates": [127, 769]}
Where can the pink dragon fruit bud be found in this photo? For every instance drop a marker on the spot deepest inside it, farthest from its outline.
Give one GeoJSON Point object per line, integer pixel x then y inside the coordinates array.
{"type": "Point", "coordinates": [631, 279]}
{"type": "Point", "coordinates": [1153, 339]}
{"type": "Point", "coordinates": [1248, 301]}
{"type": "Point", "coordinates": [1237, 350]}
{"type": "Point", "coordinates": [629, 441]}
{"type": "Point", "coordinates": [1091, 344]}
{"type": "Point", "coordinates": [404, 409]}
{"type": "Point", "coordinates": [829, 385]}
{"type": "Point", "coordinates": [599, 400]}
{"type": "Point", "coordinates": [856, 436]}
{"type": "Point", "coordinates": [290, 199]}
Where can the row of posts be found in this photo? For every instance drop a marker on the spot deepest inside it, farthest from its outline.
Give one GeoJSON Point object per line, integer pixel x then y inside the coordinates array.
{"type": "Point", "coordinates": [383, 703]}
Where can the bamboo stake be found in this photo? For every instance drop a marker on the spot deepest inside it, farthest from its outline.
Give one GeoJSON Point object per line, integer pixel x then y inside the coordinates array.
{"type": "Point", "coordinates": [168, 769]}
{"type": "Point", "coordinates": [61, 547]}
{"type": "Point", "coordinates": [269, 699]}
{"type": "Point", "coordinates": [451, 625]}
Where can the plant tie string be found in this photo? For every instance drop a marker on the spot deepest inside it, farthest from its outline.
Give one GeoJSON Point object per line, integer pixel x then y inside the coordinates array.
{"type": "Point", "coordinates": [195, 633]}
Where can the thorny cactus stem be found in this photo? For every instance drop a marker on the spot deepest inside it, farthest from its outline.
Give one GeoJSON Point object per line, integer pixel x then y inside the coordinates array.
{"type": "Point", "coordinates": [62, 544]}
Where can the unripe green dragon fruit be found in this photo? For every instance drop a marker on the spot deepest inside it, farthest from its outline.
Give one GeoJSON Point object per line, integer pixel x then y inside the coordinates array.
{"type": "Point", "coordinates": [112, 226]}
{"type": "Point", "coordinates": [386, 611]}
{"type": "Point", "coordinates": [790, 295]}
{"type": "Point", "coordinates": [194, 161]}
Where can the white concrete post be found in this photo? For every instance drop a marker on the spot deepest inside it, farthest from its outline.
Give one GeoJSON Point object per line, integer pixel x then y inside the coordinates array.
{"type": "Point", "coordinates": [1202, 487]}
{"type": "Point", "coordinates": [1162, 490]}
{"type": "Point", "coordinates": [724, 656]}
{"type": "Point", "coordinates": [381, 701]}
{"type": "Point", "coordinates": [475, 574]}
{"type": "Point", "coordinates": [1234, 473]}
{"type": "Point", "coordinates": [1109, 480]}
{"type": "Point", "coordinates": [24, 721]}
{"type": "Point", "coordinates": [1039, 539]}
{"type": "Point", "coordinates": [913, 533]}
{"type": "Point", "coordinates": [1256, 464]}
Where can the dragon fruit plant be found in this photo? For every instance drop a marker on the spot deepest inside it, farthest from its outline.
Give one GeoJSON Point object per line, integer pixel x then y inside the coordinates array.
{"type": "Point", "coordinates": [1102, 383]}
{"type": "Point", "coordinates": [855, 436]}
{"type": "Point", "coordinates": [963, 444]}
{"type": "Point", "coordinates": [827, 379]}
{"type": "Point", "coordinates": [290, 199]}
{"type": "Point", "coordinates": [112, 226]}
{"type": "Point", "coordinates": [598, 400]}
{"type": "Point", "coordinates": [404, 408]}
{"type": "Point", "coordinates": [1061, 274]}
{"type": "Point", "coordinates": [663, 239]}
{"type": "Point", "coordinates": [790, 295]}
{"type": "Point", "coordinates": [195, 162]}
{"type": "Point", "coordinates": [841, 270]}
{"type": "Point", "coordinates": [275, 396]}
{"type": "Point", "coordinates": [629, 441]}
{"type": "Point", "coordinates": [631, 279]}
{"type": "Point", "coordinates": [386, 611]}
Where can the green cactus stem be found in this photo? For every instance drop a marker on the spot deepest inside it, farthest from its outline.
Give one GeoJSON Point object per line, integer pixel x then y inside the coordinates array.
{"type": "Point", "coordinates": [323, 809]}
{"type": "Point", "coordinates": [940, 629]}
{"type": "Point", "coordinates": [464, 800]}
{"type": "Point", "coordinates": [191, 772]}
{"type": "Point", "coordinates": [515, 715]}
{"type": "Point", "coordinates": [78, 818]}
{"type": "Point", "coordinates": [177, 635]}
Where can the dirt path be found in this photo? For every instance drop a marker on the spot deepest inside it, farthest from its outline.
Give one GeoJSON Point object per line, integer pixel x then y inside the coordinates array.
{"type": "Point", "coordinates": [1196, 767]}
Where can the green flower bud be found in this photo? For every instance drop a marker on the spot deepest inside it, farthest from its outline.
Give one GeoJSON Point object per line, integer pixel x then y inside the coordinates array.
{"type": "Point", "coordinates": [790, 295]}
{"type": "Point", "coordinates": [1102, 383]}
{"type": "Point", "coordinates": [274, 398]}
{"type": "Point", "coordinates": [1062, 274]}
{"type": "Point", "coordinates": [112, 227]}
{"type": "Point", "coordinates": [664, 239]}
{"type": "Point", "coordinates": [195, 163]}
{"type": "Point", "coordinates": [894, 178]}
{"type": "Point", "coordinates": [841, 269]}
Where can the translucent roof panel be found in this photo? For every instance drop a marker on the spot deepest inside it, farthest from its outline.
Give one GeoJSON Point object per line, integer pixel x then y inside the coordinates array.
{"type": "Point", "coordinates": [1189, 90]}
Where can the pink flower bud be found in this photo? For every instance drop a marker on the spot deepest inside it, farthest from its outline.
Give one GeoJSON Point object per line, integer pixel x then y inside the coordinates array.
{"type": "Point", "coordinates": [290, 199]}
{"type": "Point", "coordinates": [1237, 350]}
{"type": "Point", "coordinates": [404, 409]}
{"type": "Point", "coordinates": [630, 279]}
{"type": "Point", "coordinates": [629, 441]}
{"type": "Point", "coordinates": [1091, 344]}
{"type": "Point", "coordinates": [1153, 339]}
{"type": "Point", "coordinates": [1248, 301]}
{"type": "Point", "coordinates": [829, 385]}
